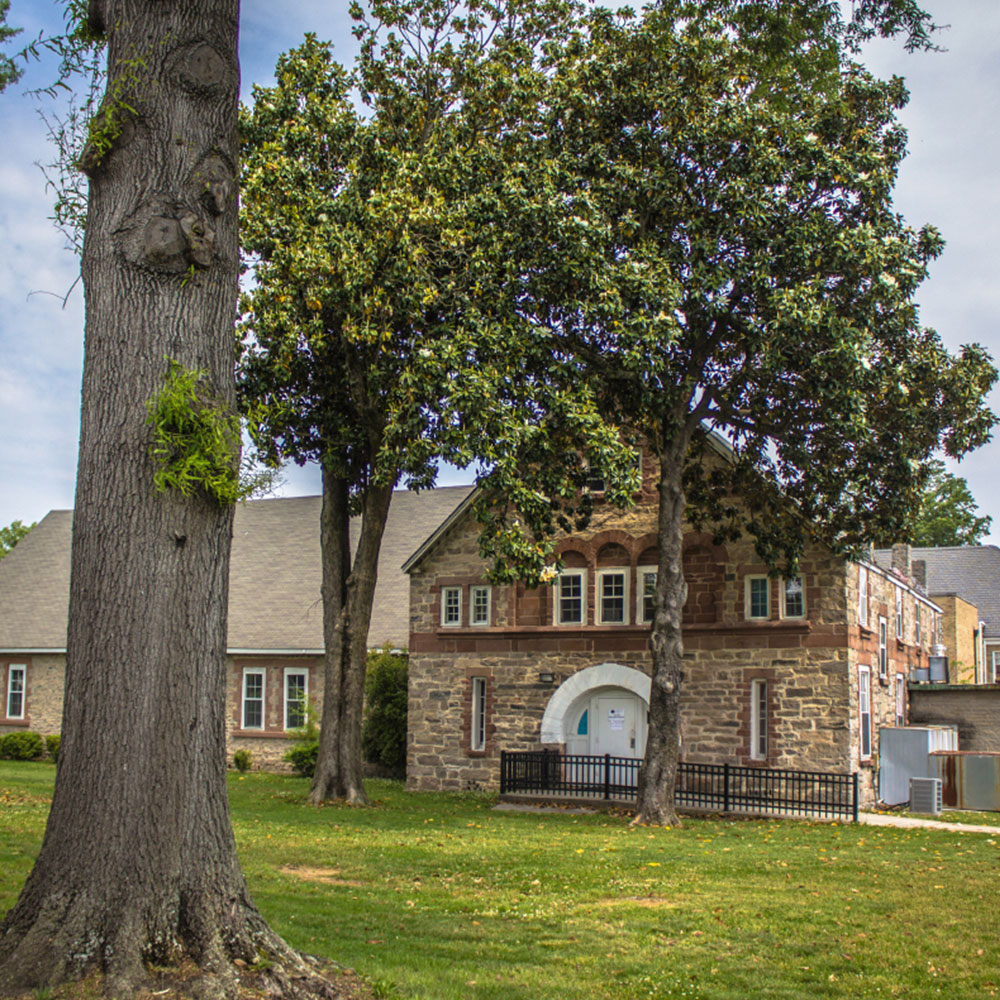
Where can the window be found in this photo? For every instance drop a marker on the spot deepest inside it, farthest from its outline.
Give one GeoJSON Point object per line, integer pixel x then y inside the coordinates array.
{"type": "Point", "coordinates": [916, 623]}
{"type": "Point", "coordinates": [296, 695]}
{"type": "Point", "coordinates": [479, 606]}
{"type": "Point", "coordinates": [758, 719]}
{"type": "Point", "coordinates": [15, 690]}
{"type": "Point", "coordinates": [900, 700]}
{"type": "Point", "coordinates": [647, 591]}
{"type": "Point", "coordinates": [451, 605]}
{"type": "Point", "coordinates": [612, 596]}
{"type": "Point", "coordinates": [793, 598]}
{"type": "Point", "coordinates": [570, 596]}
{"type": "Point", "coordinates": [253, 698]}
{"type": "Point", "coordinates": [899, 612]}
{"type": "Point", "coordinates": [758, 593]}
{"type": "Point", "coordinates": [478, 736]}
{"type": "Point", "coordinates": [883, 652]}
{"type": "Point", "coordinates": [863, 596]}
{"type": "Point", "coordinates": [864, 713]}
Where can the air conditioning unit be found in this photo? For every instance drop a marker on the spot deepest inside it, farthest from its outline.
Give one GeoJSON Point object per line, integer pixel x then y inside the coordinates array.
{"type": "Point", "coordinates": [925, 795]}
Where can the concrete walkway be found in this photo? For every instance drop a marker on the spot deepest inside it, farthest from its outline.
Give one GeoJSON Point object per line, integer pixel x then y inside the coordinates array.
{"type": "Point", "coordinates": [893, 819]}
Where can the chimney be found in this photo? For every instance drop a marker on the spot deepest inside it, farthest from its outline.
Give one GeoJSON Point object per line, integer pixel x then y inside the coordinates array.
{"type": "Point", "coordinates": [920, 573]}
{"type": "Point", "coordinates": [901, 558]}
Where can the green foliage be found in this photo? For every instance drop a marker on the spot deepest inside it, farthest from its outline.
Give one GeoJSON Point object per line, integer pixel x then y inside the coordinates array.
{"type": "Point", "coordinates": [383, 731]}
{"type": "Point", "coordinates": [947, 514]}
{"type": "Point", "coordinates": [52, 742]}
{"type": "Point", "coordinates": [242, 760]}
{"type": "Point", "coordinates": [10, 72]}
{"type": "Point", "coordinates": [21, 745]}
{"type": "Point", "coordinates": [12, 534]}
{"type": "Point", "coordinates": [305, 749]}
{"type": "Point", "coordinates": [196, 441]}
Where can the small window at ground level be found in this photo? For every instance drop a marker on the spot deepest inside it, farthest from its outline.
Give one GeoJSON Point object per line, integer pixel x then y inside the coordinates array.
{"type": "Point", "coordinates": [864, 713]}
{"type": "Point", "coordinates": [16, 673]}
{"type": "Point", "coordinates": [479, 602]}
{"type": "Point", "coordinates": [451, 605]}
{"type": "Point", "coordinates": [758, 593]}
{"type": "Point", "coordinates": [582, 728]}
{"type": "Point", "coordinates": [478, 735]}
{"type": "Point", "coordinates": [296, 695]}
{"type": "Point", "coordinates": [253, 699]}
{"type": "Point", "coordinates": [758, 719]}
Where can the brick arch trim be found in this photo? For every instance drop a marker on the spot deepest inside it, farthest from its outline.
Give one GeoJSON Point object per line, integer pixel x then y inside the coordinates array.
{"type": "Point", "coordinates": [602, 675]}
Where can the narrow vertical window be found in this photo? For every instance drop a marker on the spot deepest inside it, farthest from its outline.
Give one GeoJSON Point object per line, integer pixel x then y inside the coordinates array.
{"type": "Point", "coordinates": [612, 599]}
{"type": "Point", "coordinates": [916, 623]}
{"type": "Point", "coordinates": [900, 700]}
{"type": "Point", "coordinates": [758, 719]}
{"type": "Point", "coordinates": [647, 590]}
{"type": "Point", "coordinates": [570, 595]}
{"type": "Point", "coordinates": [478, 735]}
{"type": "Point", "coordinates": [479, 606]}
{"type": "Point", "coordinates": [863, 596]}
{"type": "Point", "coordinates": [864, 713]}
{"type": "Point", "coordinates": [15, 690]}
{"type": "Point", "coordinates": [758, 593]}
{"type": "Point", "coordinates": [883, 651]}
{"type": "Point", "coordinates": [296, 695]}
{"type": "Point", "coordinates": [253, 699]}
{"type": "Point", "coordinates": [793, 598]}
{"type": "Point", "coordinates": [451, 605]}
{"type": "Point", "coordinates": [899, 612]}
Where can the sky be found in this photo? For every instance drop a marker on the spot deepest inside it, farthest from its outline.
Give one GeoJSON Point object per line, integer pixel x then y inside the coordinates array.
{"type": "Point", "coordinates": [949, 179]}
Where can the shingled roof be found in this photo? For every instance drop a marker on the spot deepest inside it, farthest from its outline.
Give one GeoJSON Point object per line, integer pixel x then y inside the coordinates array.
{"type": "Point", "coordinates": [275, 574]}
{"type": "Point", "coordinates": [971, 572]}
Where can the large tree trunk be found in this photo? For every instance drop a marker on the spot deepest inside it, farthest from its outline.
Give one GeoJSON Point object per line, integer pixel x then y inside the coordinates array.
{"type": "Point", "coordinates": [348, 593]}
{"type": "Point", "coordinates": [138, 863]}
{"type": "Point", "coordinates": [659, 771]}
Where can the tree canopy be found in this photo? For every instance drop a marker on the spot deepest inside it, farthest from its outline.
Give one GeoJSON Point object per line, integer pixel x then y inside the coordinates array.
{"type": "Point", "coordinates": [948, 513]}
{"type": "Point", "coordinates": [11, 535]}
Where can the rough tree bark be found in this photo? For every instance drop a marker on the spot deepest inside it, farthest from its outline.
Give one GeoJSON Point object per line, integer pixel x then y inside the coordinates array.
{"type": "Point", "coordinates": [348, 593]}
{"type": "Point", "coordinates": [138, 863]}
{"type": "Point", "coordinates": [655, 803]}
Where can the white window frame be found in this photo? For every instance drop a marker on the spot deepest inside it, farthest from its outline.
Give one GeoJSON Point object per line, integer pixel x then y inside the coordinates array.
{"type": "Point", "coordinates": [899, 612]}
{"type": "Point", "coordinates": [477, 735]}
{"type": "Point", "coordinates": [864, 712]}
{"type": "Point", "coordinates": [916, 623]}
{"type": "Point", "coordinates": [863, 596]}
{"type": "Point", "coordinates": [304, 673]}
{"type": "Point", "coordinates": [785, 581]}
{"type": "Point", "coordinates": [995, 665]}
{"type": "Point", "coordinates": [748, 597]}
{"type": "Point", "coordinates": [883, 649]}
{"type": "Point", "coordinates": [474, 591]}
{"type": "Point", "coordinates": [640, 597]}
{"type": "Point", "coordinates": [446, 621]}
{"type": "Point", "coordinates": [602, 575]}
{"type": "Point", "coordinates": [260, 672]}
{"type": "Point", "coordinates": [557, 603]}
{"type": "Point", "coordinates": [900, 700]}
{"type": "Point", "coordinates": [12, 669]}
{"type": "Point", "coordinates": [759, 735]}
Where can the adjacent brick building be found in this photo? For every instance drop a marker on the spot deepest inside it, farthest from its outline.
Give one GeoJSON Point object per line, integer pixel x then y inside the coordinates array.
{"type": "Point", "coordinates": [785, 673]}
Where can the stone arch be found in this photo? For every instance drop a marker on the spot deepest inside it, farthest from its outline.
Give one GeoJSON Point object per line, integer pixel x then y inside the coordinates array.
{"type": "Point", "coordinates": [604, 675]}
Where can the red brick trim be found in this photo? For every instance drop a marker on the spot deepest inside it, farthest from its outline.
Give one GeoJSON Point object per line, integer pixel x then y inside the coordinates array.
{"type": "Point", "coordinates": [5, 665]}
{"type": "Point", "coordinates": [751, 674]}
{"type": "Point", "coordinates": [274, 690]}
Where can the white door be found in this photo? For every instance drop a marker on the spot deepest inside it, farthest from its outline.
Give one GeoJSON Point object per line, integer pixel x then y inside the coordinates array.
{"type": "Point", "coordinates": [618, 725]}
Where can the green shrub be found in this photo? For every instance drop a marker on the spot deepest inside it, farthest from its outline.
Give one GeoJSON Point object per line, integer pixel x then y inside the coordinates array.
{"type": "Point", "coordinates": [242, 759]}
{"type": "Point", "coordinates": [52, 746]}
{"type": "Point", "coordinates": [302, 757]}
{"type": "Point", "coordinates": [383, 732]}
{"type": "Point", "coordinates": [21, 746]}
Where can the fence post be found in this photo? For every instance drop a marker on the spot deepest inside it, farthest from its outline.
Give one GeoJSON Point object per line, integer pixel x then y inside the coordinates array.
{"type": "Point", "coordinates": [607, 776]}
{"type": "Point", "coordinates": [855, 783]}
{"type": "Point", "coordinates": [725, 787]}
{"type": "Point", "coordinates": [503, 771]}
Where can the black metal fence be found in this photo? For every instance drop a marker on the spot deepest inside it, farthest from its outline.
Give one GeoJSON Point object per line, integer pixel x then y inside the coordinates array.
{"type": "Point", "coordinates": [714, 787]}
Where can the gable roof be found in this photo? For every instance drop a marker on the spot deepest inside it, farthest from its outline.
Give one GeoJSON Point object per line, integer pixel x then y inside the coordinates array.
{"type": "Point", "coordinates": [275, 575]}
{"type": "Point", "coordinates": [971, 572]}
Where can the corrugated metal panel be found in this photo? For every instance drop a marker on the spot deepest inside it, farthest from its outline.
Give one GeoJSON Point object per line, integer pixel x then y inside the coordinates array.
{"type": "Point", "coordinates": [969, 780]}
{"type": "Point", "coordinates": [904, 754]}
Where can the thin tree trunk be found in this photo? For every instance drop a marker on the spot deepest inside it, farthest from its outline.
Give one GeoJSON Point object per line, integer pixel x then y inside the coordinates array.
{"type": "Point", "coordinates": [655, 804]}
{"type": "Point", "coordinates": [138, 864]}
{"type": "Point", "coordinates": [348, 594]}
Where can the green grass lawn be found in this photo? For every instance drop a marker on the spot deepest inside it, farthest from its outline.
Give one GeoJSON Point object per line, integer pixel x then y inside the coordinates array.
{"type": "Point", "coordinates": [437, 896]}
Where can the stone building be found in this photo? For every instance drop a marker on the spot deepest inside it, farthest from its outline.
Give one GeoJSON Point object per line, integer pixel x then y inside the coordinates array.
{"type": "Point", "coordinates": [779, 672]}
{"type": "Point", "coordinates": [275, 642]}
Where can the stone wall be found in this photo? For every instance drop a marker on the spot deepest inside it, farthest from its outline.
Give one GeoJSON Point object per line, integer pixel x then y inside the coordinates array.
{"type": "Point", "coordinates": [975, 709]}
{"type": "Point", "coordinates": [45, 673]}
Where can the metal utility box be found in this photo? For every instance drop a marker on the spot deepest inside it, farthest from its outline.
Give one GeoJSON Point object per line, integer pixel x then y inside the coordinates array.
{"type": "Point", "coordinates": [925, 795]}
{"type": "Point", "coordinates": [904, 753]}
{"type": "Point", "coordinates": [970, 780]}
